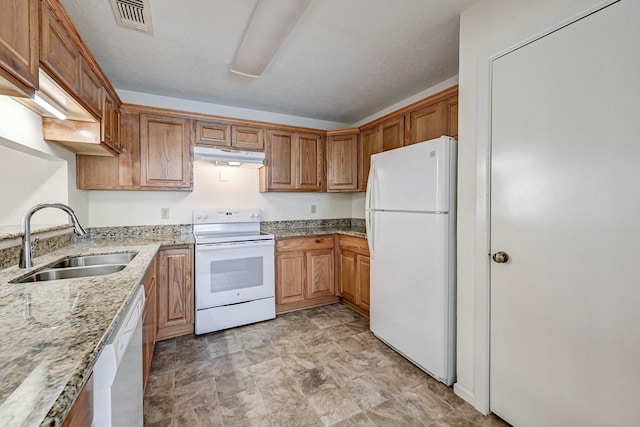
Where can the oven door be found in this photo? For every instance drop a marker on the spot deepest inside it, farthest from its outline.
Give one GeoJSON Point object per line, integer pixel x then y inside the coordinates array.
{"type": "Point", "coordinates": [230, 273]}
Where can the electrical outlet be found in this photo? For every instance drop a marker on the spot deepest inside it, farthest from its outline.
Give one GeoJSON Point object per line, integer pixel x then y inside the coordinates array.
{"type": "Point", "coordinates": [313, 209]}
{"type": "Point", "coordinates": [164, 213]}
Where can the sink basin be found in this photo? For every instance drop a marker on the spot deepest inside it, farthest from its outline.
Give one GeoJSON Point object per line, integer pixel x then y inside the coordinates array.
{"type": "Point", "coordinates": [70, 273]}
{"type": "Point", "coordinates": [88, 260]}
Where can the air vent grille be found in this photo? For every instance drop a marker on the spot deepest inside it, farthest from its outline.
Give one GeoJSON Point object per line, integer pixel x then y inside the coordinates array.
{"type": "Point", "coordinates": [134, 14]}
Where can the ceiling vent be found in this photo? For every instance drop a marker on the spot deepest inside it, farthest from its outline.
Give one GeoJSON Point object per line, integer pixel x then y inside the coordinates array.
{"type": "Point", "coordinates": [133, 14]}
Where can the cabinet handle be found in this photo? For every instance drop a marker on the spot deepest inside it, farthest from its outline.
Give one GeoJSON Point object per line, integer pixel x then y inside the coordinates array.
{"type": "Point", "coordinates": [318, 241]}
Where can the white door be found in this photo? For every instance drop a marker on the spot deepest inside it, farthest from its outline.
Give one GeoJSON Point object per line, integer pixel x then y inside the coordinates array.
{"type": "Point", "coordinates": [565, 206]}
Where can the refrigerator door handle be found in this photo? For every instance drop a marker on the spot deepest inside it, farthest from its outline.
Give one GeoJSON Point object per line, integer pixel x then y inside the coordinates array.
{"type": "Point", "coordinates": [369, 197]}
{"type": "Point", "coordinates": [370, 227]}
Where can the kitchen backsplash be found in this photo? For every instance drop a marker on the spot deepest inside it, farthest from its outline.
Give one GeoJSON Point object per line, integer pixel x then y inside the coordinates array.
{"type": "Point", "coordinates": [11, 256]}
{"type": "Point", "coordinates": [311, 223]}
{"type": "Point", "coordinates": [140, 231]}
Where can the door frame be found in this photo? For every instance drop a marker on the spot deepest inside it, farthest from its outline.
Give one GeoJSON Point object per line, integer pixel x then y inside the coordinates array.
{"type": "Point", "coordinates": [482, 260]}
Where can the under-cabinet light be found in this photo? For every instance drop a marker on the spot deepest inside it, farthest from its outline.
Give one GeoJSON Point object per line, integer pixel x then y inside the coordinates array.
{"type": "Point", "coordinates": [234, 163]}
{"type": "Point", "coordinates": [49, 106]}
{"type": "Point", "coordinates": [271, 22]}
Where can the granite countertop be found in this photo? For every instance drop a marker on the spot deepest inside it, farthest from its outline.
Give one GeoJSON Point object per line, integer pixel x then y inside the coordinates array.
{"type": "Point", "coordinates": [314, 231]}
{"type": "Point", "coordinates": [48, 352]}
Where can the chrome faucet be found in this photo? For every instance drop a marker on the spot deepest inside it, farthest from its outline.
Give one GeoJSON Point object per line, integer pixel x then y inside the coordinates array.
{"type": "Point", "coordinates": [26, 255]}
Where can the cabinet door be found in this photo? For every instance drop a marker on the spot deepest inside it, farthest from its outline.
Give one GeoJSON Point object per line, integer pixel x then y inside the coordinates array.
{"type": "Point", "coordinates": [247, 138]}
{"type": "Point", "coordinates": [90, 89]}
{"type": "Point", "coordinates": [342, 162]}
{"type": "Point", "coordinates": [290, 277]}
{"type": "Point", "coordinates": [213, 133]}
{"type": "Point", "coordinates": [363, 268]}
{"type": "Point", "coordinates": [175, 288]}
{"type": "Point", "coordinates": [320, 274]}
{"type": "Point", "coordinates": [81, 413]}
{"type": "Point", "coordinates": [309, 162]}
{"type": "Point", "coordinates": [149, 321]}
{"type": "Point", "coordinates": [57, 52]}
{"type": "Point", "coordinates": [348, 275]}
{"type": "Point", "coordinates": [110, 122]}
{"type": "Point", "coordinates": [282, 154]}
{"type": "Point", "coordinates": [165, 152]}
{"type": "Point", "coordinates": [370, 144]}
{"type": "Point", "coordinates": [392, 133]}
{"type": "Point", "coordinates": [429, 122]}
{"type": "Point", "coordinates": [452, 117]}
{"type": "Point", "coordinates": [19, 45]}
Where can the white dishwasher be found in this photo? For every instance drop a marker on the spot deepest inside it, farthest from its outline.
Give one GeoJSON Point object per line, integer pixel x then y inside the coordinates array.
{"type": "Point", "coordinates": [117, 374]}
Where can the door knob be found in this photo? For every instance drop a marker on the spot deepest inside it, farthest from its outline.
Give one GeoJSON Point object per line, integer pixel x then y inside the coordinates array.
{"type": "Point", "coordinates": [501, 257]}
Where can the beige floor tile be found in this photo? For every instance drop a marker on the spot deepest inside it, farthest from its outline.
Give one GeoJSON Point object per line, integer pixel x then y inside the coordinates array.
{"type": "Point", "coordinates": [298, 414]}
{"type": "Point", "coordinates": [261, 353]}
{"type": "Point", "coordinates": [367, 392]}
{"type": "Point", "coordinates": [392, 413]}
{"type": "Point", "coordinates": [196, 394]}
{"type": "Point", "coordinates": [453, 420]}
{"type": "Point", "coordinates": [315, 367]}
{"type": "Point", "coordinates": [194, 372]}
{"type": "Point", "coordinates": [201, 416]}
{"type": "Point", "coordinates": [359, 420]}
{"type": "Point", "coordinates": [243, 406]}
{"type": "Point", "coordinates": [225, 364]}
{"type": "Point", "coordinates": [424, 405]}
{"type": "Point", "coordinates": [333, 406]}
{"type": "Point", "coordinates": [223, 346]}
{"type": "Point", "coordinates": [316, 380]}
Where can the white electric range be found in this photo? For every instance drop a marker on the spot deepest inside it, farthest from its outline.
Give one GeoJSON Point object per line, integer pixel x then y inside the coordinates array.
{"type": "Point", "coordinates": [234, 265]}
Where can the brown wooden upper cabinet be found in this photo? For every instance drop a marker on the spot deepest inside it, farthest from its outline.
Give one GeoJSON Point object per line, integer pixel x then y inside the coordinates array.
{"type": "Point", "coordinates": [342, 161]}
{"type": "Point", "coordinates": [392, 133]}
{"type": "Point", "coordinates": [165, 152]}
{"type": "Point", "coordinates": [370, 143]}
{"type": "Point", "coordinates": [58, 54]}
{"type": "Point", "coordinates": [221, 134]}
{"type": "Point", "coordinates": [294, 162]}
{"type": "Point", "coordinates": [110, 123]}
{"type": "Point", "coordinates": [429, 122]}
{"type": "Point", "coordinates": [90, 92]}
{"type": "Point", "coordinates": [19, 46]}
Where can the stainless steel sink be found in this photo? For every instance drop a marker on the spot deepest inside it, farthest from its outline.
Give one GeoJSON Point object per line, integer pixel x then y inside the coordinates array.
{"type": "Point", "coordinates": [80, 266]}
{"type": "Point", "coordinates": [71, 272]}
{"type": "Point", "coordinates": [86, 260]}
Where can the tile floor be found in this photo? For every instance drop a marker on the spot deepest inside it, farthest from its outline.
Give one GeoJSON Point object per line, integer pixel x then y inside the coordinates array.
{"type": "Point", "coordinates": [315, 367]}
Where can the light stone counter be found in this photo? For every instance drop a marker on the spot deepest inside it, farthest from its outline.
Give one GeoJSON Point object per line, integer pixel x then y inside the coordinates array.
{"type": "Point", "coordinates": [300, 228]}
{"type": "Point", "coordinates": [47, 352]}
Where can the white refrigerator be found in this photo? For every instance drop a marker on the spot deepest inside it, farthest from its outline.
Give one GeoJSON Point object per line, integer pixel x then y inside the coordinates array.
{"type": "Point", "coordinates": [410, 219]}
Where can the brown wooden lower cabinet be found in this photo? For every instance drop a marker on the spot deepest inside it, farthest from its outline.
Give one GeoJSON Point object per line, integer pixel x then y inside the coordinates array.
{"type": "Point", "coordinates": [175, 291]}
{"type": "Point", "coordinates": [305, 272]}
{"type": "Point", "coordinates": [149, 321]}
{"type": "Point", "coordinates": [354, 270]}
{"type": "Point", "coordinates": [81, 413]}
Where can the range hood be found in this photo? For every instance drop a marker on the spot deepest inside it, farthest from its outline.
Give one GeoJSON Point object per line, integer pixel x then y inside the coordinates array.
{"type": "Point", "coordinates": [224, 157]}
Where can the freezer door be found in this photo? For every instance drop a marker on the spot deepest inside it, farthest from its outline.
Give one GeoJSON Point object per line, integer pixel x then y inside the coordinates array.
{"type": "Point", "coordinates": [419, 177]}
{"type": "Point", "coordinates": [412, 290]}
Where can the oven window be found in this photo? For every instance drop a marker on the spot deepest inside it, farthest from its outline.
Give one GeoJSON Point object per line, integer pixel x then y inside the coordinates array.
{"type": "Point", "coordinates": [230, 274]}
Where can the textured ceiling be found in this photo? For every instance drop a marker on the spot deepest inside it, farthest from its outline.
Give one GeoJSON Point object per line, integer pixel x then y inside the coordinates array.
{"type": "Point", "coordinates": [343, 61]}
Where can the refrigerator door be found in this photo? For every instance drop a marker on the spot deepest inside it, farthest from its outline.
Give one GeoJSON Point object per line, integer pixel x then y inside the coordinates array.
{"type": "Point", "coordinates": [412, 291]}
{"type": "Point", "coordinates": [416, 178]}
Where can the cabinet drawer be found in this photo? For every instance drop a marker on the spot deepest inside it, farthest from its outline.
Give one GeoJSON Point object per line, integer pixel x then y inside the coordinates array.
{"type": "Point", "coordinates": [304, 243]}
{"type": "Point", "coordinates": [355, 244]}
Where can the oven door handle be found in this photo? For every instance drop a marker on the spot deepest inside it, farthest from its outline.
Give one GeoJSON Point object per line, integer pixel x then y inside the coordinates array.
{"type": "Point", "coordinates": [232, 245]}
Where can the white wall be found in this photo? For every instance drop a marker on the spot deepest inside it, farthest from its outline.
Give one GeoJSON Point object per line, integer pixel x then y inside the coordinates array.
{"type": "Point", "coordinates": [240, 190]}
{"type": "Point", "coordinates": [484, 28]}
{"type": "Point", "coordinates": [33, 170]}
